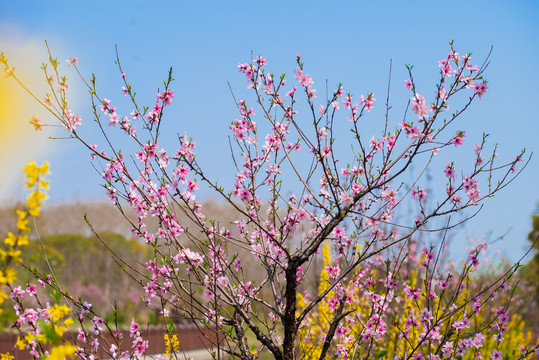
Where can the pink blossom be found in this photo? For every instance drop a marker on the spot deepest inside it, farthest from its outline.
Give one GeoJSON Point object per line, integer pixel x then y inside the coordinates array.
{"type": "Point", "coordinates": [304, 79]}
{"type": "Point", "coordinates": [408, 84]}
{"type": "Point", "coordinates": [449, 172]}
{"type": "Point", "coordinates": [72, 61]}
{"type": "Point", "coordinates": [339, 92]}
{"type": "Point", "coordinates": [470, 184]}
{"type": "Point", "coordinates": [414, 294]}
{"type": "Point", "coordinates": [245, 195]}
{"type": "Point", "coordinates": [419, 106]}
{"type": "Point", "coordinates": [447, 349]}
{"type": "Point", "coordinates": [453, 55]}
{"type": "Point", "coordinates": [347, 102]}
{"type": "Point", "coordinates": [339, 233]}
{"type": "Point", "coordinates": [425, 316]}
{"type": "Point", "coordinates": [291, 92]}
{"type": "Point", "coordinates": [389, 195]}
{"type": "Point", "coordinates": [261, 61]}
{"type": "Point", "coordinates": [8, 71]}
{"type": "Point", "coordinates": [478, 340]}
{"type": "Point", "coordinates": [391, 142]}
{"type": "Point", "coordinates": [446, 71]}
{"type": "Point", "coordinates": [420, 194]}
{"type": "Point", "coordinates": [412, 132]}
{"type": "Point", "coordinates": [81, 336]}
{"type": "Point", "coordinates": [30, 317]}
{"type": "Point", "coordinates": [443, 63]}
{"type": "Point", "coordinates": [480, 88]}
{"type": "Point", "coordinates": [140, 346]}
{"type": "Point", "coordinates": [192, 185]}
{"type": "Point", "coordinates": [476, 305]}
{"type": "Point", "coordinates": [471, 68]}
{"type": "Point", "coordinates": [299, 273]}
{"type": "Point", "coordinates": [333, 303]}
{"type": "Point", "coordinates": [188, 256]}
{"type": "Point", "coordinates": [462, 324]}
{"type": "Point", "coordinates": [496, 355]}
{"type": "Point", "coordinates": [113, 119]}
{"type": "Point", "coordinates": [71, 121]}
{"type": "Point", "coordinates": [98, 324]}
{"type": "Point", "coordinates": [31, 289]}
{"type": "Point", "coordinates": [85, 308]}
{"type": "Point", "coordinates": [458, 139]}
{"type": "Point", "coordinates": [345, 198]}
{"type": "Point", "coordinates": [17, 292]}
{"type": "Point", "coordinates": [368, 102]}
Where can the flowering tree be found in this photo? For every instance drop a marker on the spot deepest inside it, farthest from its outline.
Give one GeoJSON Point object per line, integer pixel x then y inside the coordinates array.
{"type": "Point", "coordinates": [295, 192]}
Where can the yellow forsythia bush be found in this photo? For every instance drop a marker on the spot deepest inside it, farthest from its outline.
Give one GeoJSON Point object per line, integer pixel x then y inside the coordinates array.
{"type": "Point", "coordinates": [14, 243]}
{"type": "Point", "coordinates": [411, 308]}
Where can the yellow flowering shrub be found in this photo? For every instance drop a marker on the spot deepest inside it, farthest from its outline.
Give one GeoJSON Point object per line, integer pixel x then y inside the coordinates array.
{"type": "Point", "coordinates": [10, 256]}
{"type": "Point", "coordinates": [61, 352]}
{"type": "Point", "coordinates": [14, 242]}
{"type": "Point", "coordinates": [406, 308]}
{"type": "Point", "coordinates": [172, 345]}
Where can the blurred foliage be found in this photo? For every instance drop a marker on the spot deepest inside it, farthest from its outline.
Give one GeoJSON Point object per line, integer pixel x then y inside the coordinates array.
{"type": "Point", "coordinates": [529, 273]}
{"type": "Point", "coordinates": [531, 270]}
{"type": "Point", "coordinates": [86, 267]}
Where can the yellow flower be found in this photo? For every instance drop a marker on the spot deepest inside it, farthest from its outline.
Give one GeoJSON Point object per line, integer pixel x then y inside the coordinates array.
{"type": "Point", "coordinates": [32, 174]}
{"type": "Point", "coordinates": [22, 240]}
{"type": "Point", "coordinates": [40, 338]}
{"type": "Point", "coordinates": [34, 211]}
{"type": "Point", "coordinates": [20, 343]}
{"type": "Point", "coordinates": [172, 344]}
{"type": "Point", "coordinates": [15, 254]}
{"type": "Point", "coordinates": [35, 201]}
{"type": "Point", "coordinates": [62, 352]}
{"type": "Point", "coordinates": [43, 185]}
{"type": "Point", "coordinates": [11, 239]}
{"type": "Point", "coordinates": [60, 330]}
{"type": "Point", "coordinates": [22, 222]}
{"type": "Point", "coordinates": [58, 312]}
{"type": "Point", "coordinates": [44, 169]}
{"type": "Point", "coordinates": [8, 276]}
{"type": "Point", "coordinates": [11, 252]}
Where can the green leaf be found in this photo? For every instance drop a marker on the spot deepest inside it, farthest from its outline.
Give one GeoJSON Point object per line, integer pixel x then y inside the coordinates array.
{"type": "Point", "coordinates": [56, 295]}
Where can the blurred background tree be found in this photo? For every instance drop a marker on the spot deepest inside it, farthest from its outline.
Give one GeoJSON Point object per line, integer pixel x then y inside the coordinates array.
{"type": "Point", "coordinates": [529, 274]}
{"type": "Point", "coordinates": [86, 267]}
{"type": "Point", "coordinates": [531, 269]}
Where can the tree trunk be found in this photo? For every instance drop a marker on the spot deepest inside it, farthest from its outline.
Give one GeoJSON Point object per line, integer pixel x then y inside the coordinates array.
{"type": "Point", "coordinates": [290, 326]}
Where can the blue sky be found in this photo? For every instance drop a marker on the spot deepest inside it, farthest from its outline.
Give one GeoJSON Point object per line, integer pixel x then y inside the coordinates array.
{"type": "Point", "coordinates": [341, 41]}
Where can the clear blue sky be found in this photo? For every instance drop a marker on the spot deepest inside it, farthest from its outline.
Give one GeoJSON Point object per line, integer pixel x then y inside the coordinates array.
{"type": "Point", "coordinates": [341, 41]}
